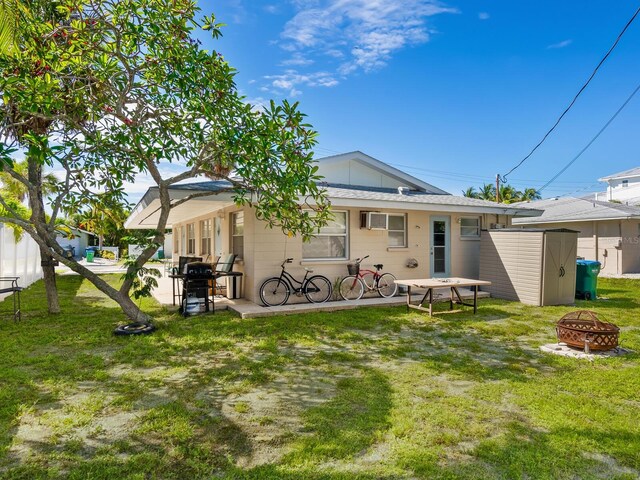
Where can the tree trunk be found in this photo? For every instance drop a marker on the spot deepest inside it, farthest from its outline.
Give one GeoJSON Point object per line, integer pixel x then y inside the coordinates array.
{"type": "Point", "coordinates": [38, 215]}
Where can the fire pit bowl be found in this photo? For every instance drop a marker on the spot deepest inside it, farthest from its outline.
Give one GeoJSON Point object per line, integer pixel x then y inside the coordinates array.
{"type": "Point", "coordinates": [582, 329]}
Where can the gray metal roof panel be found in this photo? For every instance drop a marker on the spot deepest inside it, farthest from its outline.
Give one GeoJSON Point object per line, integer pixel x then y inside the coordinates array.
{"type": "Point", "coordinates": [572, 209]}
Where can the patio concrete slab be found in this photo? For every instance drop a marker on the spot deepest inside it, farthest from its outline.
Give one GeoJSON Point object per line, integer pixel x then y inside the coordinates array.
{"type": "Point", "coordinates": [246, 309]}
{"type": "Point", "coordinates": [251, 310]}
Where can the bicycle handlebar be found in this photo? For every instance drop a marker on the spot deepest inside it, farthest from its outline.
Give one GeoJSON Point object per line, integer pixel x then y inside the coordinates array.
{"type": "Point", "coordinates": [359, 260]}
{"type": "Point", "coordinates": [288, 260]}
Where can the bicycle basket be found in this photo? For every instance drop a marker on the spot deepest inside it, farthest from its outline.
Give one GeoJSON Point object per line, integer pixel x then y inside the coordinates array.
{"type": "Point", "coordinates": [353, 268]}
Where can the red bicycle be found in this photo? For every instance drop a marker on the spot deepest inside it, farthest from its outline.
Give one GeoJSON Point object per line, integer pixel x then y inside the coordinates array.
{"type": "Point", "coordinates": [359, 281]}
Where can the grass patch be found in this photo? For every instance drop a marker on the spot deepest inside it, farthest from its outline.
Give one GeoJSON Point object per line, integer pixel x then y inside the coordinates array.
{"type": "Point", "coordinates": [367, 393]}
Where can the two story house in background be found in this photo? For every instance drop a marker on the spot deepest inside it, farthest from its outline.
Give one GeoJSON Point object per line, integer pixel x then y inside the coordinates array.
{"type": "Point", "coordinates": [622, 187]}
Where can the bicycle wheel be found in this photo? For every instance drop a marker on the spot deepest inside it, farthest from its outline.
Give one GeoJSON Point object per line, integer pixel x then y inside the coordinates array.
{"type": "Point", "coordinates": [317, 289]}
{"type": "Point", "coordinates": [369, 281]}
{"type": "Point", "coordinates": [274, 292]}
{"type": "Point", "coordinates": [386, 285]}
{"type": "Point", "coordinates": [351, 288]}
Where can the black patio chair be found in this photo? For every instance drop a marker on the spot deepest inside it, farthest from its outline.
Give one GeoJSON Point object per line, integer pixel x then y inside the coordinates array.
{"type": "Point", "coordinates": [14, 289]}
{"type": "Point", "coordinates": [224, 268]}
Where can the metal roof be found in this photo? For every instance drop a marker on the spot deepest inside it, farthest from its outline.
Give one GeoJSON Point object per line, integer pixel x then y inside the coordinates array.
{"type": "Point", "coordinates": [570, 209]}
{"type": "Point", "coordinates": [633, 172]}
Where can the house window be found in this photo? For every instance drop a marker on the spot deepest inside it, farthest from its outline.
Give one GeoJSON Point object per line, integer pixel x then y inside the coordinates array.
{"type": "Point", "coordinates": [330, 242]}
{"type": "Point", "coordinates": [191, 239]}
{"type": "Point", "coordinates": [397, 230]}
{"type": "Point", "coordinates": [470, 227]}
{"type": "Point", "coordinates": [237, 234]}
{"type": "Point", "coordinates": [205, 237]}
{"type": "Point", "coordinates": [625, 183]}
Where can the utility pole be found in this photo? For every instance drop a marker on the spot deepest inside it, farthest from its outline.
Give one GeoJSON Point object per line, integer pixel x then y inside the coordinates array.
{"type": "Point", "coordinates": [498, 188]}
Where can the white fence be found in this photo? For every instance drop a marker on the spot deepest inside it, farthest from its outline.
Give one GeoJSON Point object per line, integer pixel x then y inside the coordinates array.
{"type": "Point", "coordinates": [20, 259]}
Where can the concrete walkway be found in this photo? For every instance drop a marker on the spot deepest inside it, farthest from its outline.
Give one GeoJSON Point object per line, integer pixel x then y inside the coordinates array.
{"type": "Point", "coordinates": [246, 309]}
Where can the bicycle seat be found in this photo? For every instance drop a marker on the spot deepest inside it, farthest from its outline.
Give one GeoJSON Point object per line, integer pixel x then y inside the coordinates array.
{"type": "Point", "coordinates": [310, 270]}
{"type": "Point", "coordinates": [378, 266]}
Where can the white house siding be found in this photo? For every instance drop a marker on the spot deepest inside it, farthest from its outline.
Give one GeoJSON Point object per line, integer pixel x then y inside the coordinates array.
{"type": "Point", "coordinates": [613, 243]}
{"type": "Point", "coordinates": [617, 190]}
{"type": "Point", "coordinates": [265, 249]}
{"type": "Point", "coordinates": [20, 259]}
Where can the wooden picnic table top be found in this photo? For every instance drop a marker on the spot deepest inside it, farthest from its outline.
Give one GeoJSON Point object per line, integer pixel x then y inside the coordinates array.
{"type": "Point", "coordinates": [442, 282]}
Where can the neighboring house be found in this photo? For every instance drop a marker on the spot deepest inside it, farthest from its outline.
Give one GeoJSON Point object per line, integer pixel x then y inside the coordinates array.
{"type": "Point", "coordinates": [609, 232]}
{"type": "Point", "coordinates": [622, 187]}
{"type": "Point", "coordinates": [378, 211]}
{"type": "Point", "coordinates": [19, 259]}
{"type": "Point", "coordinates": [79, 240]}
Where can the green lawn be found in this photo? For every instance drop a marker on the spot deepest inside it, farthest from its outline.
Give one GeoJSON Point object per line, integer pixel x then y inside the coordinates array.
{"type": "Point", "coordinates": [369, 393]}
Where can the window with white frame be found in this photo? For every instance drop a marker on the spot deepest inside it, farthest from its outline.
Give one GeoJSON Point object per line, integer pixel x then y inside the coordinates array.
{"type": "Point", "coordinates": [191, 238]}
{"type": "Point", "coordinates": [470, 227]}
{"type": "Point", "coordinates": [397, 230]}
{"type": "Point", "coordinates": [205, 237]}
{"type": "Point", "coordinates": [237, 234]}
{"type": "Point", "coordinates": [331, 241]}
{"type": "Point", "coordinates": [625, 183]}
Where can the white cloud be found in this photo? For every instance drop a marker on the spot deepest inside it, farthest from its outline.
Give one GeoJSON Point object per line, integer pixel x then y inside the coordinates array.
{"type": "Point", "coordinates": [484, 16]}
{"type": "Point", "coordinates": [289, 81]}
{"type": "Point", "coordinates": [350, 36]}
{"type": "Point", "coordinates": [297, 60]}
{"type": "Point", "coordinates": [562, 44]}
{"type": "Point", "coordinates": [272, 9]}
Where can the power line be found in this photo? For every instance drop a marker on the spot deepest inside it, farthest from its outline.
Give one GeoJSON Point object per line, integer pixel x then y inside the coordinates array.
{"type": "Point", "coordinates": [504, 177]}
{"type": "Point", "coordinates": [606, 125]}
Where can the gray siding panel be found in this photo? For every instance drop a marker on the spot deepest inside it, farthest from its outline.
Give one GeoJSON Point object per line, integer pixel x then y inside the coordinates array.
{"type": "Point", "coordinates": [512, 262]}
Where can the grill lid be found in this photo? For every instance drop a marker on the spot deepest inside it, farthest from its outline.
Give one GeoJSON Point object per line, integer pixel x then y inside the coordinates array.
{"type": "Point", "coordinates": [198, 270]}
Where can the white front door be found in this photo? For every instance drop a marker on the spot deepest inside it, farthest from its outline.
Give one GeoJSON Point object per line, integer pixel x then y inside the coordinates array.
{"type": "Point", "coordinates": [440, 247]}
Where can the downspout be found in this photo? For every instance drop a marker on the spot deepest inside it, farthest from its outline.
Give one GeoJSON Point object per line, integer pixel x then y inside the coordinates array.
{"type": "Point", "coordinates": [595, 240]}
{"type": "Point", "coordinates": [619, 250]}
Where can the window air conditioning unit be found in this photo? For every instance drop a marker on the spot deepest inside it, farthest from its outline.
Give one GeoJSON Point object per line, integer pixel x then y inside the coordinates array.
{"type": "Point", "coordinates": [374, 220]}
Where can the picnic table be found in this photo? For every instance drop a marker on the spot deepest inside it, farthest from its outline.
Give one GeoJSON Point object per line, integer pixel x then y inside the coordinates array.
{"type": "Point", "coordinates": [431, 284]}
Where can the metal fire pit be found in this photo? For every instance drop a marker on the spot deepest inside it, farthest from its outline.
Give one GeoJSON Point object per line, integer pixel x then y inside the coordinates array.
{"type": "Point", "coordinates": [582, 329]}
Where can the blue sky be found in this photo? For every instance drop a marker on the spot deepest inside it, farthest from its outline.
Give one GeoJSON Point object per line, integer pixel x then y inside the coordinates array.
{"type": "Point", "coordinates": [452, 92]}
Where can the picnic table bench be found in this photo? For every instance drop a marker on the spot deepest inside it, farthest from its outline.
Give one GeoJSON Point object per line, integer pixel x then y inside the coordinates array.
{"type": "Point", "coordinates": [431, 284]}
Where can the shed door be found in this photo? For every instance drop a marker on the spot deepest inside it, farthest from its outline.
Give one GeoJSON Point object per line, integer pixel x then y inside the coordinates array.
{"type": "Point", "coordinates": [559, 281]}
{"type": "Point", "coordinates": [440, 247]}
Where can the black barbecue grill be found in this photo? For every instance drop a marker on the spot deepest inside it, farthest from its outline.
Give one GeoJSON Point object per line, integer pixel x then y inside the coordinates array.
{"type": "Point", "coordinates": [196, 284]}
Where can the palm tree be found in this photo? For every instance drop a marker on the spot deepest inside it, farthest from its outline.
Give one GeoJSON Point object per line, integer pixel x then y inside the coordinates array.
{"type": "Point", "coordinates": [12, 188]}
{"type": "Point", "coordinates": [488, 192]}
{"type": "Point", "coordinates": [8, 25]}
{"type": "Point", "coordinates": [530, 194]}
{"type": "Point", "coordinates": [508, 194]}
{"type": "Point", "coordinates": [470, 192]}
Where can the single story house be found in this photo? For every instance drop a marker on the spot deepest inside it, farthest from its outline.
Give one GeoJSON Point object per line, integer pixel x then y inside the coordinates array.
{"type": "Point", "coordinates": [608, 232]}
{"type": "Point", "coordinates": [78, 240]}
{"type": "Point", "coordinates": [414, 229]}
{"type": "Point", "coordinates": [622, 187]}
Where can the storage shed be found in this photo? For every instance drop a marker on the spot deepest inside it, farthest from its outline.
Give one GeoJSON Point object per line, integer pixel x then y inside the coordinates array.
{"type": "Point", "coordinates": [531, 265]}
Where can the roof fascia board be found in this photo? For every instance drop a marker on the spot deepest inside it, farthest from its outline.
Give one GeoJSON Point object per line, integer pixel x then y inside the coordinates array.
{"type": "Point", "coordinates": [383, 204]}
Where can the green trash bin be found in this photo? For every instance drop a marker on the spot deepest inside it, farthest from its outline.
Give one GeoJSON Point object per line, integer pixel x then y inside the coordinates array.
{"type": "Point", "coordinates": [90, 254]}
{"type": "Point", "coordinates": [161, 253]}
{"type": "Point", "coordinates": [587, 279]}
